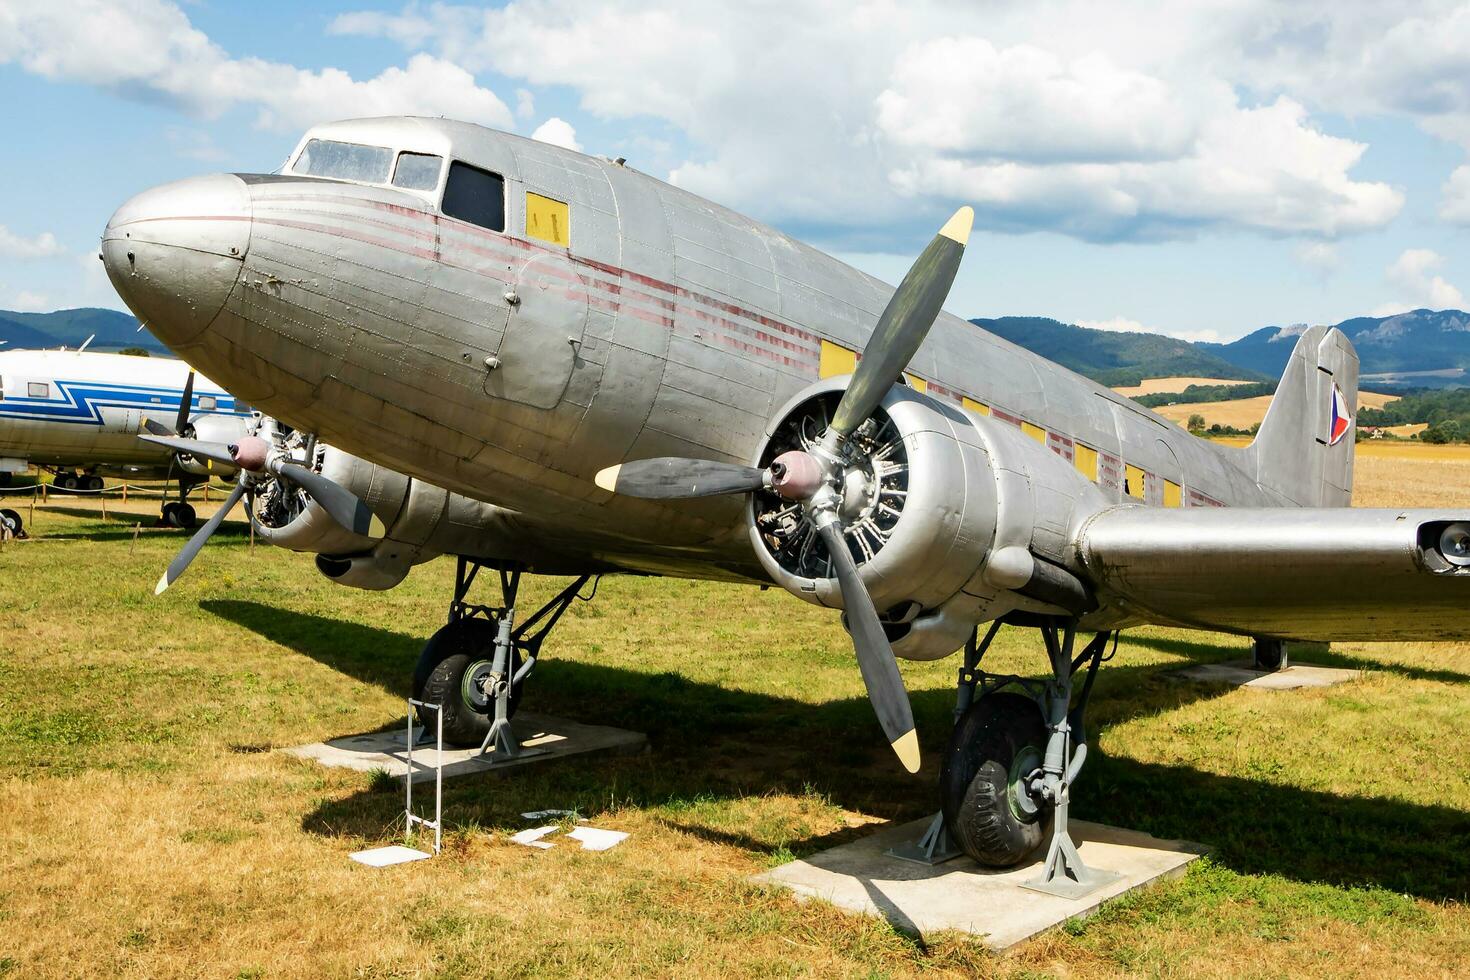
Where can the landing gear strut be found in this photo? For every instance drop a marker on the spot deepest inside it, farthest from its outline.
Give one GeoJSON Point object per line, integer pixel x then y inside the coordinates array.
{"type": "Point", "coordinates": [1008, 771]}
{"type": "Point", "coordinates": [474, 666]}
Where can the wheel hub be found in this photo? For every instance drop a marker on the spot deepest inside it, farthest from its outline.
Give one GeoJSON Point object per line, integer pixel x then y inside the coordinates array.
{"type": "Point", "coordinates": [480, 686]}
{"type": "Point", "coordinates": [1024, 767]}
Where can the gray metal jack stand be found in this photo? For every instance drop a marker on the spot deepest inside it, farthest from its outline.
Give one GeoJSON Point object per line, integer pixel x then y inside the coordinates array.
{"type": "Point", "coordinates": [934, 847]}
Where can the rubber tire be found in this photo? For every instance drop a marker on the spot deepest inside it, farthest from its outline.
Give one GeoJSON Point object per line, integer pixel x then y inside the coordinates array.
{"type": "Point", "coordinates": [1269, 655]}
{"type": "Point", "coordinates": [92, 483]}
{"type": "Point", "coordinates": [439, 679]}
{"type": "Point", "coordinates": [185, 517]}
{"type": "Point", "coordinates": [166, 515]}
{"type": "Point", "coordinates": [12, 521]}
{"type": "Point", "coordinates": [65, 481]}
{"type": "Point", "coordinates": [974, 784]}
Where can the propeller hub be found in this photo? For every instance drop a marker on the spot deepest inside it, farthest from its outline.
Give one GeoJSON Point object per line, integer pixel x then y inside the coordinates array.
{"type": "Point", "coordinates": [796, 475]}
{"type": "Point", "coordinates": [250, 454]}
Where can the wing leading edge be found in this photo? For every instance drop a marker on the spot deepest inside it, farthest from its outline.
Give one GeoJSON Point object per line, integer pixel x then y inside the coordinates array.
{"type": "Point", "coordinates": [1327, 574]}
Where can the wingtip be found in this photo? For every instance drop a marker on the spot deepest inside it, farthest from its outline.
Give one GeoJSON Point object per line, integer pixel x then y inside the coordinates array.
{"type": "Point", "coordinates": [906, 746]}
{"type": "Point", "coordinates": [957, 228]}
{"type": "Point", "coordinates": [607, 478]}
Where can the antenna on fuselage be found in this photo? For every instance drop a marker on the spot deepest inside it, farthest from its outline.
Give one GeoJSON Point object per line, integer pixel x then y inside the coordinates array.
{"type": "Point", "coordinates": [86, 342]}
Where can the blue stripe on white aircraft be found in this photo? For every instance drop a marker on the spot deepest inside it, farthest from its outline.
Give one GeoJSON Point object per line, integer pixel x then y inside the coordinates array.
{"type": "Point", "coordinates": [70, 411]}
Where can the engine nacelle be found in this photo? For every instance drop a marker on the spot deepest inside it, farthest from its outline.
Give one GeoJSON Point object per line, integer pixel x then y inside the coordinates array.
{"type": "Point", "coordinates": [423, 522]}
{"type": "Point", "coordinates": [936, 495]}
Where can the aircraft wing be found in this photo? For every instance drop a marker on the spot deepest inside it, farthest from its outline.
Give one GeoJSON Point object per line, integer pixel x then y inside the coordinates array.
{"type": "Point", "coordinates": [1335, 573]}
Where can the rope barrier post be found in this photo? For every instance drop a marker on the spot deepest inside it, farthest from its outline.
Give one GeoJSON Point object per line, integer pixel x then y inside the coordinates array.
{"type": "Point", "coordinates": [102, 496]}
{"type": "Point", "coordinates": [125, 494]}
{"type": "Point", "coordinates": [32, 520]}
{"type": "Point", "coordinates": [134, 546]}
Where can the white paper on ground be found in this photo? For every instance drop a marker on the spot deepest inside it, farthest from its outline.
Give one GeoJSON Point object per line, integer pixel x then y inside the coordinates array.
{"type": "Point", "coordinates": [532, 837]}
{"type": "Point", "coordinates": [594, 839]}
{"type": "Point", "coordinates": [382, 857]}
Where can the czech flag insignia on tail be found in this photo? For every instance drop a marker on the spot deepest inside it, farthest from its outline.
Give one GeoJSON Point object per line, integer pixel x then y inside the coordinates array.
{"type": "Point", "coordinates": [1341, 420]}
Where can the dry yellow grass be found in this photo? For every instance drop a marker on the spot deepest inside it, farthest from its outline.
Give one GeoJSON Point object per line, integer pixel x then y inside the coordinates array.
{"type": "Point", "coordinates": [1242, 413]}
{"type": "Point", "coordinates": [148, 831]}
{"type": "Point", "coordinates": [1150, 386]}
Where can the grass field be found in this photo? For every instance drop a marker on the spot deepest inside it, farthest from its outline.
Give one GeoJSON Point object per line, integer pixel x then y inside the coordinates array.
{"type": "Point", "coordinates": [149, 831]}
{"type": "Point", "coordinates": [1242, 413]}
{"type": "Point", "coordinates": [1150, 386]}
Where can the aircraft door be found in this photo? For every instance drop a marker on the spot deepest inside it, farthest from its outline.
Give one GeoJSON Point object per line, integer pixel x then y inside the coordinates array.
{"type": "Point", "coordinates": [543, 339]}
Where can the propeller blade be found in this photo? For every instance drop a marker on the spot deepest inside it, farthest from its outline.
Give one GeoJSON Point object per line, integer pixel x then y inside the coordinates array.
{"type": "Point", "coordinates": [874, 654]}
{"type": "Point", "coordinates": [185, 404]}
{"type": "Point", "coordinates": [905, 323]}
{"type": "Point", "coordinates": [216, 451]}
{"type": "Point", "coordinates": [183, 558]}
{"type": "Point", "coordinates": [674, 478]}
{"type": "Point", "coordinates": [344, 507]}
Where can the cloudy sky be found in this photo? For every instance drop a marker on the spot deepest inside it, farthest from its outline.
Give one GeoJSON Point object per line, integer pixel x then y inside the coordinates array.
{"type": "Point", "coordinates": [1202, 169]}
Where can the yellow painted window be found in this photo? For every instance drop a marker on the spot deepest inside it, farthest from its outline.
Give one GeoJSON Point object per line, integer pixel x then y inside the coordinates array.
{"type": "Point", "coordinates": [1085, 459]}
{"type": "Point", "coordinates": [1134, 480]}
{"type": "Point", "coordinates": [1172, 495]}
{"type": "Point", "coordinates": [975, 406]}
{"type": "Point", "coordinates": [548, 220]}
{"type": "Point", "coordinates": [836, 359]}
{"type": "Point", "coordinates": [1034, 431]}
{"type": "Point", "coordinates": [918, 384]}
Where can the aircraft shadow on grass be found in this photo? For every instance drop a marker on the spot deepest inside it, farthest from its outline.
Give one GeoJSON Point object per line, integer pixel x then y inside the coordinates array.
{"type": "Point", "coordinates": [711, 743]}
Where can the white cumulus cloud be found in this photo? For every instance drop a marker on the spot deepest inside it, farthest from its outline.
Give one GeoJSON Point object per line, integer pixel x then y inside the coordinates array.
{"type": "Point", "coordinates": [42, 246]}
{"type": "Point", "coordinates": [557, 132]}
{"type": "Point", "coordinates": [1454, 201]}
{"type": "Point", "coordinates": [1414, 279]}
{"type": "Point", "coordinates": [149, 51]}
{"type": "Point", "coordinates": [1123, 324]}
{"type": "Point", "coordinates": [862, 119]}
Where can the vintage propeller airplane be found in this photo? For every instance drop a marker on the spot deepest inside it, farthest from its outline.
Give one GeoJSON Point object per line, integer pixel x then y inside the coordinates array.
{"type": "Point", "coordinates": [68, 410]}
{"type": "Point", "coordinates": [627, 377]}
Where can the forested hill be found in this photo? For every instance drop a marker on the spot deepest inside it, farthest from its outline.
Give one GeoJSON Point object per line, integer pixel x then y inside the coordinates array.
{"type": "Point", "coordinates": [69, 328]}
{"type": "Point", "coordinates": [1113, 358]}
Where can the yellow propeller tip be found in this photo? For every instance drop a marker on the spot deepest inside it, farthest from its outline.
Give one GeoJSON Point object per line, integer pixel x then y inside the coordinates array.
{"type": "Point", "coordinates": [162, 584]}
{"type": "Point", "coordinates": [608, 478]}
{"type": "Point", "coordinates": [957, 228]}
{"type": "Point", "coordinates": [376, 528]}
{"type": "Point", "coordinates": [907, 748]}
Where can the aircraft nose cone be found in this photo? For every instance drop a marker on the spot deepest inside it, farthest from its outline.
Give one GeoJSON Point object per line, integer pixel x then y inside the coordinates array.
{"type": "Point", "coordinates": [175, 252]}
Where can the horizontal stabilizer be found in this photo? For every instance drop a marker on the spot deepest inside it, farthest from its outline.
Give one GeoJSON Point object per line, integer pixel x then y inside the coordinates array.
{"type": "Point", "coordinates": [1335, 573]}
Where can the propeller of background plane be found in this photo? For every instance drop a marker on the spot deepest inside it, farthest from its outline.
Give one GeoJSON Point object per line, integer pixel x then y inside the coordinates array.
{"type": "Point", "coordinates": [254, 460]}
{"type": "Point", "coordinates": [814, 479]}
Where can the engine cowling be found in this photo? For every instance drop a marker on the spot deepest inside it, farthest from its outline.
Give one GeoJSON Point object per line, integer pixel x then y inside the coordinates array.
{"type": "Point", "coordinates": [422, 521]}
{"type": "Point", "coordinates": [937, 494]}
{"type": "Point", "coordinates": [224, 429]}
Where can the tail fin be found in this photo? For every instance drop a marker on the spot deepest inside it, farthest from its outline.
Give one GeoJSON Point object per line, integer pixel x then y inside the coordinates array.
{"type": "Point", "coordinates": [1304, 448]}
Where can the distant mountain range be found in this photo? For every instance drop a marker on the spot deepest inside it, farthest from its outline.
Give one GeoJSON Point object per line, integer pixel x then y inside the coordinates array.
{"type": "Point", "coordinates": [1115, 358]}
{"type": "Point", "coordinates": [1418, 349]}
{"type": "Point", "coordinates": [69, 328]}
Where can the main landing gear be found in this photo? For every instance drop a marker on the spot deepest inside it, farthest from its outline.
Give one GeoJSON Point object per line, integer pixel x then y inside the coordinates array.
{"type": "Point", "coordinates": [474, 667]}
{"type": "Point", "coordinates": [1017, 747]}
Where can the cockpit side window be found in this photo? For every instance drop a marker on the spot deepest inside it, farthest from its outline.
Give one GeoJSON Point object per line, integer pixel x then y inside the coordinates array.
{"type": "Point", "coordinates": [345, 161]}
{"type": "Point", "coordinates": [417, 171]}
{"type": "Point", "coordinates": [475, 195]}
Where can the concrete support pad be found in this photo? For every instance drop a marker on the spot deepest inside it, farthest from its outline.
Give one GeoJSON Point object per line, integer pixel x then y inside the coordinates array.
{"type": "Point", "coordinates": [1240, 673]}
{"type": "Point", "coordinates": [551, 738]}
{"type": "Point", "coordinates": [960, 894]}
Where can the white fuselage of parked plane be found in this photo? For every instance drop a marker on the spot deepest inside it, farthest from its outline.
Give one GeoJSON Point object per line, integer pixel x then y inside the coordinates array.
{"type": "Point", "coordinates": [84, 409]}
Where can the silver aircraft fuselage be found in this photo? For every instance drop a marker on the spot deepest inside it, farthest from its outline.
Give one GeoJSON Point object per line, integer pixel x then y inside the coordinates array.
{"type": "Point", "coordinates": [624, 319]}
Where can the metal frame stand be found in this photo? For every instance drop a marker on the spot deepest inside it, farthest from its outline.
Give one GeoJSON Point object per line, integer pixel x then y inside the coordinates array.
{"type": "Point", "coordinates": [501, 741]}
{"type": "Point", "coordinates": [1064, 873]}
{"type": "Point", "coordinates": [411, 818]}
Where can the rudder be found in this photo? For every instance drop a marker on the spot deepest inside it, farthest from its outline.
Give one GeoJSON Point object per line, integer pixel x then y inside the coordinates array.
{"type": "Point", "coordinates": [1304, 448]}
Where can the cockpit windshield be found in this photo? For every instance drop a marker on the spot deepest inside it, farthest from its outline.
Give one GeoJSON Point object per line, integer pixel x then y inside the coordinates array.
{"type": "Point", "coordinates": [368, 164]}
{"type": "Point", "coordinates": [345, 161]}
